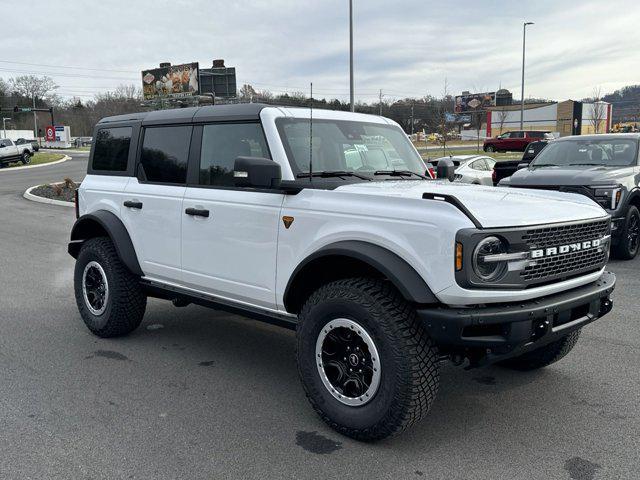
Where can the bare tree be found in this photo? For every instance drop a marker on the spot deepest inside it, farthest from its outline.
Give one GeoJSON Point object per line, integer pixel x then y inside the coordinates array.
{"type": "Point", "coordinates": [247, 93]}
{"type": "Point", "coordinates": [443, 113]}
{"type": "Point", "coordinates": [598, 110]}
{"type": "Point", "coordinates": [503, 113]}
{"type": "Point", "coordinates": [33, 87]}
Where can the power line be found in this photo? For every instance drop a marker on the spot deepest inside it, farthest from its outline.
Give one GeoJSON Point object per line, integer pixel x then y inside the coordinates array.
{"type": "Point", "coordinates": [68, 67]}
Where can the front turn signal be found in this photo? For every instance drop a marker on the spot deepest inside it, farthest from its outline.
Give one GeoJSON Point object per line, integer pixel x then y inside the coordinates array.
{"type": "Point", "coordinates": [458, 256]}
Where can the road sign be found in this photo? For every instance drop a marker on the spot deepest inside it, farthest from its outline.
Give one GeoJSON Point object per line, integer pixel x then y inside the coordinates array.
{"type": "Point", "coordinates": [50, 135]}
{"type": "Point", "coordinates": [21, 109]}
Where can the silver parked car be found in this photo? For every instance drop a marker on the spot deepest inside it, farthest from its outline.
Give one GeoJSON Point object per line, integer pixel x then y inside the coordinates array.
{"type": "Point", "coordinates": [474, 169]}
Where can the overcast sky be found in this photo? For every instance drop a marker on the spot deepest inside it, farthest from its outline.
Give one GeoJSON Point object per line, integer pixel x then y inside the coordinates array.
{"type": "Point", "coordinates": [405, 48]}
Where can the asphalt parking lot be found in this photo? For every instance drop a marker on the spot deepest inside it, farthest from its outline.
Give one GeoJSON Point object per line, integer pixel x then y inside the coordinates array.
{"type": "Point", "coordinates": [198, 394]}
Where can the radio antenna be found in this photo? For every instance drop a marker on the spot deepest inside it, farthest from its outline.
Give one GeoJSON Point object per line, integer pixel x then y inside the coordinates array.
{"type": "Point", "coordinates": [311, 137]}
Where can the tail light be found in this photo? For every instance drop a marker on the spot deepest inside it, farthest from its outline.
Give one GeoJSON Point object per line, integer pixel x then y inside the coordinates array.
{"type": "Point", "coordinates": [494, 176]}
{"type": "Point", "coordinates": [77, 202]}
{"type": "Point", "coordinates": [432, 172]}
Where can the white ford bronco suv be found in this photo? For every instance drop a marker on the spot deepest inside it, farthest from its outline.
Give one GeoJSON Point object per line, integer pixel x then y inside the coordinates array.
{"type": "Point", "coordinates": [329, 223]}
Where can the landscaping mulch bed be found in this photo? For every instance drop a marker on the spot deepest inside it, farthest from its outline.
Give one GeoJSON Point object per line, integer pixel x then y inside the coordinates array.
{"type": "Point", "coordinates": [64, 192]}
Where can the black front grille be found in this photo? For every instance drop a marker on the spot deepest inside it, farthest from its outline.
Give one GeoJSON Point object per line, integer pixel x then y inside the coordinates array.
{"type": "Point", "coordinates": [543, 237]}
{"type": "Point", "coordinates": [569, 263]}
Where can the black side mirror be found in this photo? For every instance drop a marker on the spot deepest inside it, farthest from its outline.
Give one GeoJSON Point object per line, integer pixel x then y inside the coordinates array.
{"type": "Point", "coordinates": [446, 169]}
{"type": "Point", "coordinates": [523, 165]}
{"type": "Point", "coordinates": [256, 172]}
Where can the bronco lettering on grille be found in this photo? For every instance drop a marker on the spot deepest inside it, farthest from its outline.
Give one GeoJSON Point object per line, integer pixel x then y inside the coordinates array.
{"type": "Point", "coordinates": [572, 247]}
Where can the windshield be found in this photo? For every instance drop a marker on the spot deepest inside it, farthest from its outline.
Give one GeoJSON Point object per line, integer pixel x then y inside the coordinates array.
{"type": "Point", "coordinates": [346, 146]}
{"type": "Point", "coordinates": [606, 152]}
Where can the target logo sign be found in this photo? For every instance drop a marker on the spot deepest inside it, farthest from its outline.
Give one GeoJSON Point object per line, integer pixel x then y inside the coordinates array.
{"type": "Point", "coordinates": [50, 134]}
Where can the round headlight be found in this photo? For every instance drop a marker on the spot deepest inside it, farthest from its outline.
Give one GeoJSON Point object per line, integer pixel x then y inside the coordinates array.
{"type": "Point", "coordinates": [488, 269]}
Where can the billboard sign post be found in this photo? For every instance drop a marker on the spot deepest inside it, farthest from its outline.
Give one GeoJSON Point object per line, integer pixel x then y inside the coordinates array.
{"type": "Point", "coordinates": [176, 81]}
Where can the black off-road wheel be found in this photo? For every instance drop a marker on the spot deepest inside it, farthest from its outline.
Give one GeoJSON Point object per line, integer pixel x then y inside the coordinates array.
{"type": "Point", "coordinates": [629, 242]}
{"type": "Point", "coordinates": [25, 158]}
{"type": "Point", "coordinates": [544, 356]}
{"type": "Point", "coordinates": [367, 365]}
{"type": "Point", "coordinates": [108, 295]}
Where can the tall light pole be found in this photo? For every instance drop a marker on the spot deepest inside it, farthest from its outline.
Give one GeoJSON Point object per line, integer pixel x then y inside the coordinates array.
{"type": "Point", "coordinates": [351, 55]}
{"type": "Point", "coordinates": [524, 37]}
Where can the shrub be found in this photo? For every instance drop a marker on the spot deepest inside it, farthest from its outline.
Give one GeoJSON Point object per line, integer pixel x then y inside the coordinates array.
{"type": "Point", "coordinates": [57, 190]}
{"type": "Point", "coordinates": [69, 184]}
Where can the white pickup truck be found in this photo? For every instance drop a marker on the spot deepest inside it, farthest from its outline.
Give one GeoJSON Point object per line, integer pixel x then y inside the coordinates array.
{"type": "Point", "coordinates": [11, 152]}
{"type": "Point", "coordinates": [333, 226]}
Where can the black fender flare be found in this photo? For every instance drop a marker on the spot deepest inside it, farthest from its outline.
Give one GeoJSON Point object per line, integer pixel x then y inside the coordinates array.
{"type": "Point", "coordinates": [400, 273]}
{"type": "Point", "coordinates": [100, 222]}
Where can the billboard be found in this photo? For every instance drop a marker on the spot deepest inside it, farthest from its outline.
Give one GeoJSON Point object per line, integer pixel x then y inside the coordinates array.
{"type": "Point", "coordinates": [175, 81]}
{"type": "Point", "coordinates": [473, 102]}
{"type": "Point", "coordinates": [456, 118]}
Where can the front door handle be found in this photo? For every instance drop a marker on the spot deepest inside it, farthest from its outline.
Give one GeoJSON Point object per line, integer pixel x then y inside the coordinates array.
{"type": "Point", "coordinates": [197, 212]}
{"type": "Point", "coordinates": [132, 204]}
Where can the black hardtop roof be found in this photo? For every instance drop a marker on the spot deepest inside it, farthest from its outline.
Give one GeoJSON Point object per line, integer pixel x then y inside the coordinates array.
{"type": "Point", "coordinates": [229, 112]}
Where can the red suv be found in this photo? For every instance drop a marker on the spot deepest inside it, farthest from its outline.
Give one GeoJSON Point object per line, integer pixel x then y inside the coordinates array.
{"type": "Point", "coordinates": [515, 141]}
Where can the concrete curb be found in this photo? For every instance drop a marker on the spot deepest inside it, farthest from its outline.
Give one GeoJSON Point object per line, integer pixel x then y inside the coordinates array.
{"type": "Point", "coordinates": [50, 201]}
{"type": "Point", "coordinates": [24, 167]}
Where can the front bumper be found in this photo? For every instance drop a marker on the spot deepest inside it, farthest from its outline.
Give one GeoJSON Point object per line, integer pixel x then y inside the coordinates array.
{"type": "Point", "coordinates": [505, 330]}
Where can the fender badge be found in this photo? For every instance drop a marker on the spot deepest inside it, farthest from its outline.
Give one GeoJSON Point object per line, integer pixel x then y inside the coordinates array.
{"type": "Point", "coordinates": [287, 221]}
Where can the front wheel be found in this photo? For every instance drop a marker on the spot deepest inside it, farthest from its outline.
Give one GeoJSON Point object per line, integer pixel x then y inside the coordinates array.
{"type": "Point", "coordinates": [25, 158]}
{"type": "Point", "coordinates": [545, 355]}
{"type": "Point", "coordinates": [108, 295]}
{"type": "Point", "coordinates": [367, 366]}
{"type": "Point", "coordinates": [629, 243]}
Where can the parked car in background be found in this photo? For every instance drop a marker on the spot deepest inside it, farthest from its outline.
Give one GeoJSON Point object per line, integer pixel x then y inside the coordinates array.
{"type": "Point", "coordinates": [11, 152]}
{"type": "Point", "coordinates": [32, 142]}
{"type": "Point", "coordinates": [601, 167]}
{"type": "Point", "coordinates": [506, 168]}
{"type": "Point", "coordinates": [516, 141]}
{"type": "Point", "coordinates": [474, 169]}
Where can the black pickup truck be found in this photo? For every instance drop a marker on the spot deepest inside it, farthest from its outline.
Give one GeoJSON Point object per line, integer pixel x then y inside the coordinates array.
{"type": "Point", "coordinates": [506, 168]}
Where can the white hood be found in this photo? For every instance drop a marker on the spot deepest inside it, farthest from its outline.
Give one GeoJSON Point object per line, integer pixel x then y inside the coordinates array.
{"type": "Point", "coordinates": [493, 206]}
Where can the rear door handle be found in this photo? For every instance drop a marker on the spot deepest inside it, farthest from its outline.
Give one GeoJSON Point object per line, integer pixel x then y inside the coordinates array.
{"type": "Point", "coordinates": [197, 212]}
{"type": "Point", "coordinates": [132, 204]}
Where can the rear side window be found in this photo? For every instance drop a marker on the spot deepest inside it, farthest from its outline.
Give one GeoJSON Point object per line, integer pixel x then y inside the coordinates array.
{"type": "Point", "coordinates": [165, 151]}
{"type": "Point", "coordinates": [222, 144]}
{"type": "Point", "coordinates": [111, 151]}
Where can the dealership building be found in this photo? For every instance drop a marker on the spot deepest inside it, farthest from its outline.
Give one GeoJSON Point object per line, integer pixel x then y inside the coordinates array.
{"type": "Point", "coordinates": [497, 113]}
{"type": "Point", "coordinates": [562, 118]}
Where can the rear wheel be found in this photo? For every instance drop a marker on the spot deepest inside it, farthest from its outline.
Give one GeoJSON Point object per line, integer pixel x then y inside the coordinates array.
{"type": "Point", "coordinates": [108, 295]}
{"type": "Point", "coordinates": [489, 148]}
{"type": "Point", "coordinates": [629, 243]}
{"type": "Point", "coordinates": [367, 366]}
{"type": "Point", "coordinates": [545, 355]}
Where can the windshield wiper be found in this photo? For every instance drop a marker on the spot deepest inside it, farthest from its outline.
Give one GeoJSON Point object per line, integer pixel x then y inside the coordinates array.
{"type": "Point", "coordinates": [399, 173]}
{"type": "Point", "coordinates": [584, 165]}
{"type": "Point", "coordinates": [331, 174]}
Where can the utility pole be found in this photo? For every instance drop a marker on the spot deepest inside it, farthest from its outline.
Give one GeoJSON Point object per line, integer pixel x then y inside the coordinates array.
{"type": "Point", "coordinates": [524, 37]}
{"type": "Point", "coordinates": [380, 102]}
{"type": "Point", "coordinates": [412, 122]}
{"type": "Point", "coordinates": [35, 120]}
{"type": "Point", "coordinates": [351, 94]}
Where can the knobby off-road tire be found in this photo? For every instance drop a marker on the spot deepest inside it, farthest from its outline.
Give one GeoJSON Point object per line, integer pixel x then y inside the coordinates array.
{"type": "Point", "coordinates": [628, 247]}
{"type": "Point", "coordinates": [543, 356]}
{"type": "Point", "coordinates": [408, 358]}
{"type": "Point", "coordinates": [125, 302]}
